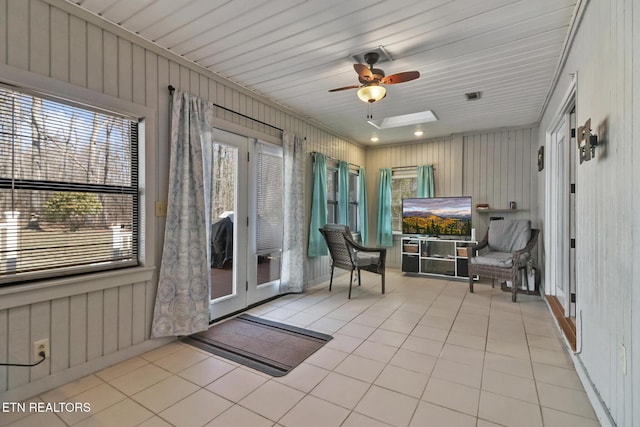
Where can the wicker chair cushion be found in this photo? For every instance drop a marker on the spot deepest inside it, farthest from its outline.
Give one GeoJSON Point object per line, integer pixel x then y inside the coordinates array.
{"type": "Point", "coordinates": [365, 259]}
{"type": "Point", "coordinates": [499, 259]}
{"type": "Point", "coordinates": [509, 235]}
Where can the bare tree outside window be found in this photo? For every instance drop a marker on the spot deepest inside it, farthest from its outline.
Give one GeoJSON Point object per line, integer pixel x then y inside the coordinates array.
{"type": "Point", "coordinates": [401, 188]}
{"type": "Point", "coordinates": [224, 180]}
{"type": "Point", "coordinates": [68, 186]}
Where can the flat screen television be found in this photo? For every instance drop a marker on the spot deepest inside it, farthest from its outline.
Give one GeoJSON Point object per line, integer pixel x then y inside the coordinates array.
{"type": "Point", "coordinates": [437, 216]}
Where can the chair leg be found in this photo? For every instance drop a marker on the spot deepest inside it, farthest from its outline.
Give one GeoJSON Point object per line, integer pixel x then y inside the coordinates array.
{"type": "Point", "coordinates": [383, 283]}
{"type": "Point", "coordinates": [359, 281]}
{"type": "Point", "coordinates": [350, 283]}
{"type": "Point", "coordinates": [514, 286]}
{"type": "Point", "coordinates": [470, 282]}
{"type": "Point", "coordinates": [331, 280]}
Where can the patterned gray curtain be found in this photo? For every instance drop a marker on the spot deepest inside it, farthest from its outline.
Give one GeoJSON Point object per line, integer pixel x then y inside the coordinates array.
{"type": "Point", "coordinates": [293, 151]}
{"type": "Point", "coordinates": [182, 299]}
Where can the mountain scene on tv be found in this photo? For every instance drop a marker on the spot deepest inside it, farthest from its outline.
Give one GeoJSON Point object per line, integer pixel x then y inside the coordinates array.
{"type": "Point", "coordinates": [450, 216]}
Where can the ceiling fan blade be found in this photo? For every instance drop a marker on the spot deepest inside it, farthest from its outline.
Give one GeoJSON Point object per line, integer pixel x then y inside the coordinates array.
{"type": "Point", "coordinates": [344, 88]}
{"type": "Point", "coordinates": [400, 77]}
{"type": "Point", "coordinates": [364, 72]}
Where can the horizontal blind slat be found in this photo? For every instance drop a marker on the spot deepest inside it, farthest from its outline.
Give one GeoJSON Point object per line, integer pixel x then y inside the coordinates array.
{"type": "Point", "coordinates": [68, 187]}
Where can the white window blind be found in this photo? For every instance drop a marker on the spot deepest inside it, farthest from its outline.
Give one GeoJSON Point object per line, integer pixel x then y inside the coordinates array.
{"type": "Point", "coordinates": [269, 196]}
{"type": "Point", "coordinates": [68, 188]}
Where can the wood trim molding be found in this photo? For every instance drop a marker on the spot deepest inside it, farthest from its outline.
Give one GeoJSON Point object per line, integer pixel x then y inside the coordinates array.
{"type": "Point", "coordinates": [48, 290]}
{"type": "Point", "coordinates": [566, 324]}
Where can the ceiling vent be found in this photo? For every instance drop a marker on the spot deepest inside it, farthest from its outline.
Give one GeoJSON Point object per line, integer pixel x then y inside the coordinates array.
{"type": "Point", "coordinates": [383, 55]}
{"type": "Point", "coordinates": [472, 96]}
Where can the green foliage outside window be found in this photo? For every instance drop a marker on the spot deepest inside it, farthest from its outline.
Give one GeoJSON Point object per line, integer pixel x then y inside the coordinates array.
{"type": "Point", "coordinates": [71, 208]}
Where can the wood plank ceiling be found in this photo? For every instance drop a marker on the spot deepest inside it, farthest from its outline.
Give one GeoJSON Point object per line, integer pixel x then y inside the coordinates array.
{"type": "Point", "coordinates": [293, 51]}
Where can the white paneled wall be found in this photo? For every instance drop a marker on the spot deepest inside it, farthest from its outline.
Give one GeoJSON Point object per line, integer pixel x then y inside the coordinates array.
{"type": "Point", "coordinates": [65, 47]}
{"type": "Point", "coordinates": [90, 325]}
{"type": "Point", "coordinates": [494, 167]}
{"type": "Point", "coordinates": [501, 167]}
{"type": "Point", "coordinates": [604, 62]}
{"type": "Point", "coordinates": [318, 268]}
{"type": "Point", "coordinates": [446, 155]}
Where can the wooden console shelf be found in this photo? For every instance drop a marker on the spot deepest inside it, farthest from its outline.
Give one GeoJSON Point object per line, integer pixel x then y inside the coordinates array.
{"type": "Point", "coordinates": [491, 210]}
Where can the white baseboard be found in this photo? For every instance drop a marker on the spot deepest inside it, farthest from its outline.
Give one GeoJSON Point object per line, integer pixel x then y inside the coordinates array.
{"type": "Point", "coordinates": [592, 393]}
{"type": "Point", "coordinates": [599, 407]}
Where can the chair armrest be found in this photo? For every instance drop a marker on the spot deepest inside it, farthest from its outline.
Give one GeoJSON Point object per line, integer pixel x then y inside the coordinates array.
{"type": "Point", "coordinates": [355, 245]}
{"type": "Point", "coordinates": [533, 239]}
{"type": "Point", "coordinates": [471, 250]}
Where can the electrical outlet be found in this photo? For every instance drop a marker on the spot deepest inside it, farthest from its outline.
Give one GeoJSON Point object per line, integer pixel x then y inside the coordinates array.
{"type": "Point", "coordinates": [41, 345]}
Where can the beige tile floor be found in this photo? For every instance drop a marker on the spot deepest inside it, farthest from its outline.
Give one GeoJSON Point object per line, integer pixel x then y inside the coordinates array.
{"type": "Point", "coordinates": [427, 353]}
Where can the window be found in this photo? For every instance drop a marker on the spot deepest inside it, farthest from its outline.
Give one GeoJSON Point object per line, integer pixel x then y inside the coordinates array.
{"type": "Point", "coordinates": [354, 225]}
{"type": "Point", "coordinates": [68, 188]}
{"type": "Point", "coordinates": [332, 196]}
{"type": "Point", "coordinates": [404, 184]}
{"type": "Point", "coordinates": [269, 212]}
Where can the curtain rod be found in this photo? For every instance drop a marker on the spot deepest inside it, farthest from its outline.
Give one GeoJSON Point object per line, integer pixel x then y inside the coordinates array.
{"type": "Point", "coordinates": [408, 167]}
{"type": "Point", "coordinates": [333, 158]}
{"type": "Point", "coordinates": [172, 89]}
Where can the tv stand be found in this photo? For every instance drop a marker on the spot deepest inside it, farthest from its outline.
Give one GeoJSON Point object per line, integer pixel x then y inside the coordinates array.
{"type": "Point", "coordinates": [436, 256]}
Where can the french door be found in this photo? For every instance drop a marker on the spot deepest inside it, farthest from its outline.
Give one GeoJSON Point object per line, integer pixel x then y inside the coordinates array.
{"type": "Point", "coordinates": [244, 269]}
{"type": "Point", "coordinates": [560, 274]}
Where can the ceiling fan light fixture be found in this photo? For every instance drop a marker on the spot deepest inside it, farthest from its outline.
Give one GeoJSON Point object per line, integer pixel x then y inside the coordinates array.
{"type": "Point", "coordinates": [371, 93]}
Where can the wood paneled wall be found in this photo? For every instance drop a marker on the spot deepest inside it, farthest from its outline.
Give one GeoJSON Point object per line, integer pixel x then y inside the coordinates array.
{"type": "Point", "coordinates": [607, 203]}
{"type": "Point", "coordinates": [318, 268]}
{"type": "Point", "coordinates": [493, 167]}
{"type": "Point", "coordinates": [90, 325]}
{"type": "Point", "coordinates": [501, 167]}
{"type": "Point", "coordinates": [67, 47]}
{"type": "Point", "coordinates": [444, 154]}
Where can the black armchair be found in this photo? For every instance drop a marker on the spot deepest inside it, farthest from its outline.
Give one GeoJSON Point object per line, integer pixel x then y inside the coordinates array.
{"type": "Point", "coordinates": [347, 254]}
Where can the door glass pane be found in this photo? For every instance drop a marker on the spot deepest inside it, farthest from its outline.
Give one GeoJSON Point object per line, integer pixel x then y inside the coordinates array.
{"type": "Point", "coordinates": [268, 267]}
{"type": "Point", "coordinates": [269, 213]}
{"type": "Point", "coordinates": [223, 232]}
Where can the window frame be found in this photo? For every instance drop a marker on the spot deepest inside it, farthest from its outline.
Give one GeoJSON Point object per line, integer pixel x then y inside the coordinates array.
{"type": "Point", "coordinates": [71, 96]}
{"type": "Point", "coordinates": [332, 196]}
{"type": "Point", "coordinates": [332, 199]}
{"type": "Point", "coordinates": [398, 175]}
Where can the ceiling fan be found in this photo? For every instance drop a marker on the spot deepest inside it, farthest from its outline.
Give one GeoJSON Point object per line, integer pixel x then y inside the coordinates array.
{"type": "Point", "coordinates": [371, 79]}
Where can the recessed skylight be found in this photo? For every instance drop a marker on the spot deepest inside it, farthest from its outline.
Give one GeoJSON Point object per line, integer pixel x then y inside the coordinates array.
{"type": "Point", "coordinates": [404, 120]}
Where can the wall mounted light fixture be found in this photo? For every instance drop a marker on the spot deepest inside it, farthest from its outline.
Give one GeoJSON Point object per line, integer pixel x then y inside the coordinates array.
{"type": "Point", "coordinates": [587, 142]}
{"type": "Point", "coordinates": [541, 158]}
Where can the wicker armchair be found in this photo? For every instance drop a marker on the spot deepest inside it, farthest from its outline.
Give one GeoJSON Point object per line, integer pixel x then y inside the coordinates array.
{"type": "Point", "coordinates": [509, 244]}
{"type": "Point", "coordinates": [349, 255]}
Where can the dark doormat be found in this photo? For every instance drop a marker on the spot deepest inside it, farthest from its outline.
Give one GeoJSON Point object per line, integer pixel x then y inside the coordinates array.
{"type": "Point", "coordinates": [270, 347]}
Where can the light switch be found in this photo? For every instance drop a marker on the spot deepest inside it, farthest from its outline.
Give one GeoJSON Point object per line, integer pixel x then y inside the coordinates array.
{"type": "Point", "coordinates": [161, 208]}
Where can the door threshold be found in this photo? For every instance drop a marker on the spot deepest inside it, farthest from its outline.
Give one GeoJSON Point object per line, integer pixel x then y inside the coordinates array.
{"type": "Point", "coordinates": [568, 325]}
{"type": "Point", "coordinates": [249, 307]}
